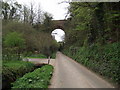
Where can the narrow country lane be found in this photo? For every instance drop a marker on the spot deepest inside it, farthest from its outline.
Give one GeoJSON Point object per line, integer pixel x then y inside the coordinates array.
{"type": "Point", "coordinates": [70, 74]}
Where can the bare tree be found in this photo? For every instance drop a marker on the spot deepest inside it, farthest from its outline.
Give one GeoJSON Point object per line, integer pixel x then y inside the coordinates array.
{"type": "Point", "coordinates": [26, 13]}
{"type": "Point", "coordinates": [39, 14]}
{"type": "Point", "coordinates": [32, 14]}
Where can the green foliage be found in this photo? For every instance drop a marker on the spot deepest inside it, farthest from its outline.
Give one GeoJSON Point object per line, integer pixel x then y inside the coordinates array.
{"type": "Point", "coordinates": [47, 23]}
{"type": "Point", "coordinates": [98, 20]}
{"type": "Point", "coordinates": [18, 18]}
{"type": "Point", "coordinates": [12, 70]}
{"type": "Point", "coordinates": [76, 38]}
{"type": "Point", "coordinates": [13, 44]}
{"type": "Point", "coordinates": [34, 40]}
{"type": "Point", "coordinates": [37, 56]}
{"type": "Point", "coordinates": [14, 39]}
{"type": "Point", "coordinates": [101, 59]}
{"type": "Point", "coordinates": [8, 55]}
{"type": "Point", "coordinates": [44, 43]}
{"type": "Point", "coordinates": [93, 37]}
{"type": "Point", "coordinates": [53, 56]}
{"type": "Point", "coordinates": [12, 26]}
{"type": "Point", "coordinates": [39, 78]}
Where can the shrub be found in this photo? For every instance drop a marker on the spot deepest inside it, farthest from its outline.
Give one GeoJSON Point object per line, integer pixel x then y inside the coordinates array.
{"type": "Point", "coordinates": [14, 39]}
{"type": "Point", "coordinates": [13, 70]}
{"type": "Point", "coordinates": [37, 56]}
{"type": "Point", "coordinates": [14, 44]}
{"type": "Point", "coordinates": [39, 78]}
{"type": "Point", "coordinates": [53, 56]}
{"type": "Point", "coordinates": [34, 40]}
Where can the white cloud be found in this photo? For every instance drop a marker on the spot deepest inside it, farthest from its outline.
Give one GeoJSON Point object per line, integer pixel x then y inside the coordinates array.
{"type": "Point", "coordinates": [58, 34]}
{"type": "Point", "coordinates": [57, 10]}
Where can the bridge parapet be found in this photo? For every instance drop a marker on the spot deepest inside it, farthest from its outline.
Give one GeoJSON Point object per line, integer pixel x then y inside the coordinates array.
{"type": "Point", "coordinates": [59, 24]}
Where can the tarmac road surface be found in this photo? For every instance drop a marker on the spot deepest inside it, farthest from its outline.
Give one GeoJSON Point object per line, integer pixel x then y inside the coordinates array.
{"type": "Point", "coordinates": [70, 74]}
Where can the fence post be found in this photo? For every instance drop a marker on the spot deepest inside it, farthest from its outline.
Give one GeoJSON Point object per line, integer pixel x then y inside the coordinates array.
{"type": "Point", "coordinates": [48, 59]}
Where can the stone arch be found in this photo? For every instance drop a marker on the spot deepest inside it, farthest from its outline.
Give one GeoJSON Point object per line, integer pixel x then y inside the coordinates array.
{"type": "Point", "coordinates": [59, 24]}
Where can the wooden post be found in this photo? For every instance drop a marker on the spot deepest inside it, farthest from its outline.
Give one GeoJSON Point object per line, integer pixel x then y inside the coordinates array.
{"type": "Point", "coordinates": [48, 59]}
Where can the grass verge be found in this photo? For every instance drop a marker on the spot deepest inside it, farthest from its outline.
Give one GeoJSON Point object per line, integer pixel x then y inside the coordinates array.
{"type": "Point", "coordinates": [13, 70]}
{"type": "Point", "coordinates": [39, 78]}
{"type": "Point", "coordinates": [36, 56]}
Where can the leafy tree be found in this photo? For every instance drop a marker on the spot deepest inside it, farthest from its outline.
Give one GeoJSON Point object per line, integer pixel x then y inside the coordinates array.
{"type": "Point", "coordinates": [47, 23]}
{"type": "Point", "coordinates": [99, 20]}
{"type": "Point", "coordinates": [14, 40]}
{"type": "Point", "coordinates": [14, 43]}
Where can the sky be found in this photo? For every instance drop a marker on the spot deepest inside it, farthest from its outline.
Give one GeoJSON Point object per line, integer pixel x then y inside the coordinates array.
{"type": "Point", "coordinates": [58, 11]}
{"type": "Point", "coordinates": [53, 7]}
{"type": "Point", "coordinates": [58, 34]}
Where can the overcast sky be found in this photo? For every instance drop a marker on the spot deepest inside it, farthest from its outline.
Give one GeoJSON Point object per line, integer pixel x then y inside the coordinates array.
{"type": "Point", "coordinates": [58, 34]}
{"type": "Point", "coordinates": [57, 10]}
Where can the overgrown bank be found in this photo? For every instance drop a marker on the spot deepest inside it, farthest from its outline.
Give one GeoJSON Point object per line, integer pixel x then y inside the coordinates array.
{"type": "Point", "coordinates": [104, 60]}
{"type": "Point", "coordinates": [12, 70]}
{"type": "Point", "coordinates": [39, 78]}
{"type": "Point", "coordinates": [21, 74]}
